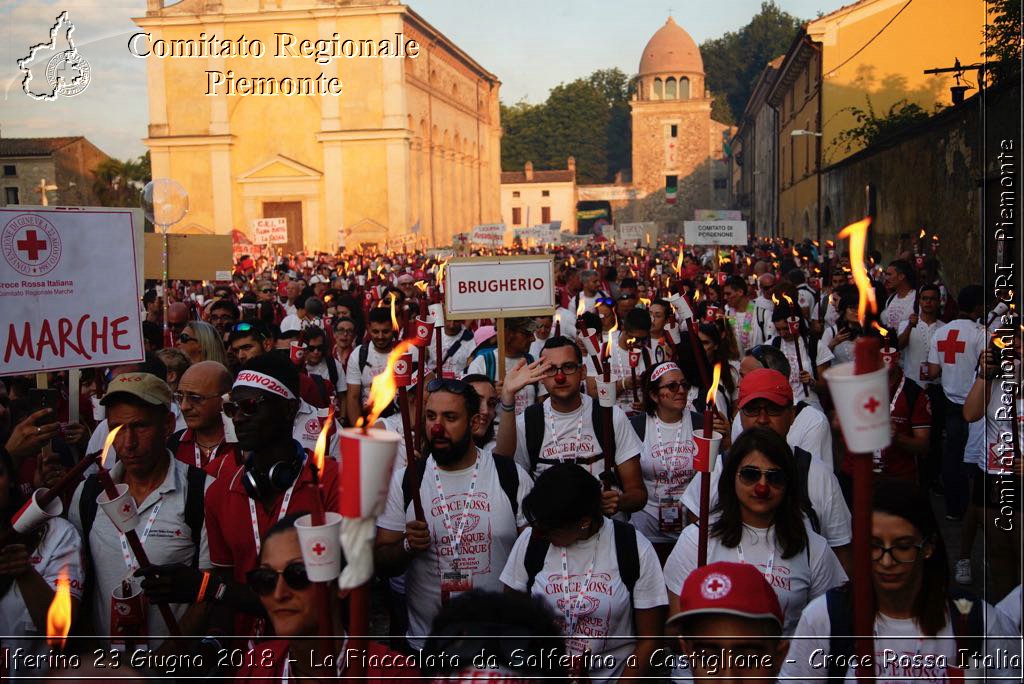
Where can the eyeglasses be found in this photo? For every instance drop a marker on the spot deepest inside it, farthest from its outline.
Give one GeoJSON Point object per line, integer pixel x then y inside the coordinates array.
{"type": "Point", "coordinates": [751, 475]}
{"type": "Point", "coordinates": [247, 407]}
{"type": "Point", "coordinates": [566, 369]}
{"type": "Point", "coordinates": [753, 410]}
{"type": "Point", "coordinates": [447, 385]}
{"type": "Point", "coordinates": [192, 397]}
{"type": "Point", "coordinates": [267, 290]}
{"type": "Point", "coordinates": [316, 348]}
{"type": "Point", "coordinates": [345, 331]}
{"type": "Point", "coordinates": [901, 553]}
{"type": "Point", "coordinates": [264, 580]}
{"type": "Point", "coordinates": [674, 386]}
{"type": "Point", "coordinates": [185, 338]}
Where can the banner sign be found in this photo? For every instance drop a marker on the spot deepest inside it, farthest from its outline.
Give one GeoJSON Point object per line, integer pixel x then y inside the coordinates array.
{"type": "Point", "coordinates": [270, 231]}
{"type": "Point", "coordinates": [408, 239]}
{"type": "Point", "coordinates": [499, 287]}
{"type": "Point", "coordinates": [636, 231]}
{"type": "Point", "coordinates": [717, 215]}
{"type": "Point", "coordinates": [490, 234]}
{"type": "Point", "coordinates": [69, 288]}
{"type": "Point", "coordinates": [189, 257]}
{"type": "Point", "coordinates": [715, 232]}
{"type": "Point", "coordinates": [545, 232]}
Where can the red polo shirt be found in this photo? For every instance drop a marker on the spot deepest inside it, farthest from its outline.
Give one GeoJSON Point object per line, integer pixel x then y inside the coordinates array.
{"type": "Point", "coordinates": [188, 452]}
{"type": "Point", "coordinates": [897, 463]}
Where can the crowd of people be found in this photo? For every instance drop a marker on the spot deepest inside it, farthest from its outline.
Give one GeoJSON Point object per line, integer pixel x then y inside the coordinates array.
{"type": "Point", "coordinates": [529, 530]}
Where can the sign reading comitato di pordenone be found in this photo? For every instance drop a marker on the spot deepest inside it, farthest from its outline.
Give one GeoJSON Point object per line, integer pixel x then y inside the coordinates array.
{"type": "Point", "coordinates": [715, 232]}
{"type": "Point", "coordinates": [69, 288]}
{"type": "Point", "coordinates": [499, 287]}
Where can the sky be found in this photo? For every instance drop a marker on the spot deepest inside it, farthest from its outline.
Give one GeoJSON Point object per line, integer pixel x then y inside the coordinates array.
{"type": "Point", "coordinates": [531, 45]}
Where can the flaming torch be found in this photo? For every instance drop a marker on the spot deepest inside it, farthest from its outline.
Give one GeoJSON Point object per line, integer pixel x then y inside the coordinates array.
{"type": "Point", "coordinates": [58, 616]}
{"type": "Point", "coordinates": [707, 449]}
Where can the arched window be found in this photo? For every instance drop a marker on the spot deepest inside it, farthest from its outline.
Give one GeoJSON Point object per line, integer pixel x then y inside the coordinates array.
{"type": "Point", "coordinates": [670, 88]}
{"type": "Point", "coordinates": [684, 88]}
{"type": "Point", "coordinates": [657, 89]}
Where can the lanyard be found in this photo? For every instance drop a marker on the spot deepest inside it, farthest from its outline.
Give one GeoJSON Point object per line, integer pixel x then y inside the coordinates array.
{"type": "Point", "coordinates": [199, 455]}
{"type": "Point", "coordinates": [455, 536]}
{"type": "Point", "coordinates": [769, 566]}
{"type": "Point", "coordinates": [574, 607]}
{"type": "Point", "coordinates": [125, 550]}
{"type": "Point", "coordinates": [677, 441]}
{"type": "Point", "coordinates": [549, 416]}
{"type": "Point", "coordinates": [283, 512]}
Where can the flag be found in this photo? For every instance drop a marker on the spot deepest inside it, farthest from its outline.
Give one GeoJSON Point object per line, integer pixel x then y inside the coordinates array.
{"type": "Point", "coordinates": [415, 227]}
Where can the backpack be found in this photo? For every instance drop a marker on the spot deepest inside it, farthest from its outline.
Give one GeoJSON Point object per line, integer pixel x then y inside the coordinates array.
{"type": "Point", "coordinates": [533, 417]}
{"type": "Point", "coordinates": [364, 355]}
{"type": "Point", "coordinates": [812, 352]}
{"type": "Point", "coordinates": [465, 337]}
{"type": "Point", "coordinates": [840, 616]}
{"type": "Point", "coordinates": [764, 323]}
{"type": "Point", "coordinates": [639, 423]}
{"type": "Point", "coordinates": [627, 555]}
{"type": "Point", "coordinates": [508, 476]}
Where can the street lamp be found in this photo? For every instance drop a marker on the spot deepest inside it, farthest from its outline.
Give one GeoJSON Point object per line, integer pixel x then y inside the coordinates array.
{"type": "Point", "coordinates": [800, 132]}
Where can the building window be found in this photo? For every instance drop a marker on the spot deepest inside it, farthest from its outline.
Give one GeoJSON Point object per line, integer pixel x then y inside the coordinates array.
{"type": "Point", "coordinates": [673, 131]}
{"type": "Point", "coordinates": [684, 88]}
{"type": "Point", "coordinates": [11, 196]}
{"type": "Point", "coordinates": [657, 89]}
{"type": "Point", "coordinates": [10, 170]}
{"type": "Point", "coordinates": [545, 193]}
{"type": "Point", "coordinates": [517, 216]}
{"type": "Point", "coordinates": [670, 88]}
{"type": "Point", "coordinates": [545, 214]}
{"type": "Point", "coordinates": [720, 184]}
{"type": "Point", "coordinates": [515, 193]}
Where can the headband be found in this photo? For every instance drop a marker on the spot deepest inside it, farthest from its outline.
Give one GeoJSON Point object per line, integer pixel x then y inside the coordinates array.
{"type": "Point", "coordinates": [248, 378]}
{"type": "Point", "coordinates": [662, 369]}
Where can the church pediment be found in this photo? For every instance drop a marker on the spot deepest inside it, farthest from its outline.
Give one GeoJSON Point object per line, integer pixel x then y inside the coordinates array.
{"type": "Point", "coordinates": [280, 168]}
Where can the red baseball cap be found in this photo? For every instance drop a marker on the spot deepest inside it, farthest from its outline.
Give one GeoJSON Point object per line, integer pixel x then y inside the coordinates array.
{"type": "Point", "coordinates": [728, 588]}
{"type": "Point", "coordinates": [765, 383]}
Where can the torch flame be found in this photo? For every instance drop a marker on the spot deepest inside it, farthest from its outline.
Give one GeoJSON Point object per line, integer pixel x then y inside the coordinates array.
{"type": "Point", "coordinates": [775, 300]}
{"type": "Point", "coordinates": [935, 238]}
{"type": "Point", "coordinates": [708, 279]}
{"type": "Point", "coordinates": [679, 263]}
{"type": "Point", "coordinates": [58, 617]}
{"type": "Point", "coordinates": [581, 308]}
{"type": "Point", "coordinates": [394, 315]}
{"type": "Point", "coordinates": [608, 344]}
{"type": "Point", "coordinates": [796, 253]}
{"type": "Point", "coordinates": [422, 285]}
{"type": "Point", "coordinates": [383, 388]}
{"type": "Point", "coordinates": [789, 300]}
{"type": "Point", "coordinates": [858, 234]}
{"type": "Point", "coordinates": [881, 330]}
{"type": "Point", "coordinates": [998, 341]}
{"type": "Point", "coordinates": [321, 442]}
{"type": "Point", "coordinates": [696, 296]}
{"type": "Point", "coordinates": [106, 445]}
{"type": "Point", "coordinates": [921, 235]}
{"type": "Point", "coordinates": [714, 384]}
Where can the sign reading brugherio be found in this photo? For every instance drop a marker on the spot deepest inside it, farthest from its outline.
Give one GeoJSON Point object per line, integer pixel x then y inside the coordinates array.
{"type": "Point", "coordinates": [69, 288]}
{"type": "Point", "coordinates": [499, 287]}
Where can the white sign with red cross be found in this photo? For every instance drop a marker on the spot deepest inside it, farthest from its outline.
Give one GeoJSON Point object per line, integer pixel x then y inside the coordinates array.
{"type": "Point", "coordinates": [70, 281]}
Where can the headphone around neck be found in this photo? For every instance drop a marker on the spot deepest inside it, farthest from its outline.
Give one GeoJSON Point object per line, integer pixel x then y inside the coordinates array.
{"type": "Point", "coordinates": [280, 476]}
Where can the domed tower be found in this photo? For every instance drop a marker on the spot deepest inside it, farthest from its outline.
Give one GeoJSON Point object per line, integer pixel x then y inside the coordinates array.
{"type": "Point", "coordinates": [673, 135]}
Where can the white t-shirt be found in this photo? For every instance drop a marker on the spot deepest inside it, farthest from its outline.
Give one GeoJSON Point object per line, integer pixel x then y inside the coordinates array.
{"type": "Point", "coordinates": [822, 489]}
{"type": "Point", "coordinates": [59, 549]}
{"type": "Point", "coordinates": [524, 397]}
{"type": "Point", "coordinates": [825, 356]}
{"type": "Point", "coordinates": [745, 326]}
{"type": "Point", "coordinates": [894, 638]}
{"type": "Point", "coordinates": [899, 310]}
{"type": "Point", "coordinates": [810, 431]}
{"type": "Point", "coordinates": [489, 533]}
{"type": "Point", "coordinates": [376, 362]}
{"type": "Point", "coordinates": [604, 604]}
{"type": "Point", "coordinates": [455, 364]}
{"type": "Point", "coordinates": [1010, 607]}
{"type": "Point", "coordinates": [796, 580]}
{"type": "Point", "coordinates": [321, 370]}
{"type": "Point", "coordinates": [956, 347]}
{"type": "Point", "coordinates": [916, 351]}
{"type": "Point", "coordinates": [666, 462]}
{"type": "Point", "coordinates": [574, 439]}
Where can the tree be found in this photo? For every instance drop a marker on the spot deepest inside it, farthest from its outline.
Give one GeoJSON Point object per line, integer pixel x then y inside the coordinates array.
{"type": "Point", "coordinates": [872, 128]}
{"type": "Point", "coordinates": [119, 183]}
{"type": "Point", "coordinates": [733, 62]}
{"type": "Point", "coordinates": [1003, 39]}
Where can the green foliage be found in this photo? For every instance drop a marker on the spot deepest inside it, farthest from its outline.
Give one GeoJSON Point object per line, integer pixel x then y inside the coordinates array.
{"type": "Point", "coordinates": [870, 127]}
{"type": "Point", "coordinates": [119, 183]}
{"type": "Point", "coordinates": [587, 119]}
{"type": "Point", "coordinates": [733, 62]}
{"type": "Point", "coordinates": [1003, 39]}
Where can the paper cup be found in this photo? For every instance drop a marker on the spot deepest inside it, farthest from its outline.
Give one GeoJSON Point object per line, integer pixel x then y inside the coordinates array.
{"type": "Point", "coordinates": [122, 511]}
{"type": "Point", "coordinates": [592, 342]}
{"type": "Point", "coordinates": [366, 461]}
{"type": "Point", "coordinates": [424, 331]}
{"type": "Point", "coordinates": [437, 313]}
{"type": "Point", "coordinates": [707, 451]}
{"type": "Point", "coordinates": [862, 404]}
{"type": "Point", "coordinates": [32, 515]}
{"type": "Point", "coordinates": [711, 313]}
{"type": "Point", "coordinates": [360, 280]}
{"type": "Point", "coordinates": [403, 370]}
{"type": "Point", "coordinates": [321, 546]}
{"type": "Point", "coordinates": [634, 358]}
{"type": "Point", "coordinates": [680, 306]}
{"type": "Point", "coordinates": [794, 325]}
{"type": "Point", "coordinates": [606, 393]}
{"type": "Point", "coordinates": [127, 613]}
{"type": "Point", "coordinates": [890, 357]}
{"type": "Point", "coordinates": [674, 334]}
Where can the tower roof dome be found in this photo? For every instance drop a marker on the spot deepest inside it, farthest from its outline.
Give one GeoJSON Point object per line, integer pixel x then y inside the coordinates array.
{"type": "Point", "coordinates": [671, 49]}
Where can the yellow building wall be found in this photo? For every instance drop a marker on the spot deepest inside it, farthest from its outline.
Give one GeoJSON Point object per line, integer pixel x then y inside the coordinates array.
{"type": "Point", "coordinates": [926, 35]}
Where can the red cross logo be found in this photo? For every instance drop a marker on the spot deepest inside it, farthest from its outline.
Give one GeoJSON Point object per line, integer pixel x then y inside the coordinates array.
{"type": "Point", "coordinates": [714, 585]}
{"type": "Point", "coordinates": [872, 405]}
{"type": "Point", "coordinates": [177, 533]}
{"type": "Point", "coordinates": [31, 245]}
{"type": "Point", "coordinates": [319, 549]}
{"type": "Point", "coordinates": [951, 346]}
{"type": "Point", "coordinates": [126, 509]}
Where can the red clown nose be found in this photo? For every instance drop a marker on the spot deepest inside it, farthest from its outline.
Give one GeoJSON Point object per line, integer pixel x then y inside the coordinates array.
{"type": "Point", "coordinates": [437, 431]}
{"type": "Point", "coordinates": [761, 490]}
{"type": "Point", "coordinates": [559, 376]}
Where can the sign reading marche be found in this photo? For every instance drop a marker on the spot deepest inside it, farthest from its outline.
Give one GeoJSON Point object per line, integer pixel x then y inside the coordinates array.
{"type": "Point", "coordinates": [69, 288]}
{"type": "Point", "coordinates": [270, 231]}
{"type": "Point", "coordinates": [715, 232]}
{"type": "Point", "coordinates": [499, 287]}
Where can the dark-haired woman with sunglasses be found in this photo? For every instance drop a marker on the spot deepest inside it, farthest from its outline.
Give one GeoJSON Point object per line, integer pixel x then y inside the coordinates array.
{"type": "Point", "coordinates": [294, 606]}
{"type": "Point", "coordinates": [919, 624]}
{"type": "Point", "coordinates": [759, 520]}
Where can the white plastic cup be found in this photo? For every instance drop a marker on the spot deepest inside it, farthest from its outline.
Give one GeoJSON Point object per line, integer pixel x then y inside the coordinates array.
{"type": "Point", "coordinates": [592, 341]}
{"type": "Point", "coordinates": [366, 462]}
{"type": "Point", "coordinates": [437, 313]}
{"type": "Point", "coordinates": [32, 514]}
{"type": "Point", "coordinates": [321, 546]}
{"type": "Point", "coordinates": [360, 280]}
{"type": "Point", "coordinates": [122, 511]}
{"type": "Point", "coordinates": [680, 306]}
{"type": "Point", "coordinates": [606, 393]}
{"type": "Point", "coordinates": [862, 404]}
{"type": "Point", "coordinates": [707, 451]}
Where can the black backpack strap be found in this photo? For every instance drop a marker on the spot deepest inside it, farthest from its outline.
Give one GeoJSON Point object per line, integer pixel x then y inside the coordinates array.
{"type": "Point", "coordinates": [508, 476]}
{"type": "Point", "coordinates": [840, 617]}
{"type": "Point", "coordinates": [595, 423]}
{"type": "Point", "coordinates": [420, 466]}
{"type": "Point", "coordinates": [321, 387]}
{"type": "Point", "coordinates": [639, 423]}
{"type": "Point", "coordinates": [87, 508]}
{"type": "Point", "coordinates": [627, 555]}
{"type": "Point", "coordinates": [364, 356]}
{"type": "Point", "coordinates": [697, 420]}
{"type": "Point", "coordinates": [800, 406]}
{"type": "Point", "coordinates": [533, 559]}
{"type": "Point", "coordinates": [332, 373]}
{"type": "Point", "coordinates": [195, 512]}
{"type": "Point", "coordinates": [533, 416]}
{"type": "Point", "coordinates": [777, 342]}
{"type": "Point", "coordinates": [803, 463]}
{"type": "Point", "coordinates": [465, 337]}
{"type": "Point", "coordinates": [174, 441]}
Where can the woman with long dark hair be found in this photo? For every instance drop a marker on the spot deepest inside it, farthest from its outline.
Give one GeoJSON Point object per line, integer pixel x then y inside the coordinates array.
{"type": "Point", "coordinates": [759, 520]}
{"type": "Point", "coordinates": [915, 613]}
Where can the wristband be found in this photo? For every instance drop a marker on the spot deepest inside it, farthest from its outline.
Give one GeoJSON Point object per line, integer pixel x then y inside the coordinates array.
{"type": "Point", "coordinates": [202, 587]}
{"type": "Point", "coordinates": [406, 546]}
{"type": "Point", "coordinates": [222, 589]}
{"type": "Point", "coordinates": [507, 408]}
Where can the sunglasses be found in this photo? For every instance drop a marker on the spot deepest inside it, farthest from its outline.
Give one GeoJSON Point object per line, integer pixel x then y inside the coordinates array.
{"type": "Point", "coordinates": [566, 369]}
{"type": "Point", "coordinates": [447, 385]}
{"type": "Point", "coordinates": [753, 410]}
{"type": "Point", "coordinates": [185, 338]}
{"type": "Point", "coordinates": [264, 580]}
{"type": "Point", "coordinates": [316, 348]}
{"type": "Point", "coordinates": [267, 290]}
{"type": "Point", "coordinates": [247, 407]}
{"type": "Point", "coordinates": [675, 386]}
{"type": "Point", "coordinates": [751, 475]}
{"type": "Point", "coordinates": [607, 301]}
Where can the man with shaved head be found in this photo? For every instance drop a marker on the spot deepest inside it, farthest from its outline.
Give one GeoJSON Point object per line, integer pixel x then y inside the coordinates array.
{"type": "Point", "coordinates": [177, 318]}
{"type": "Point", "coordinates": [204, 443]}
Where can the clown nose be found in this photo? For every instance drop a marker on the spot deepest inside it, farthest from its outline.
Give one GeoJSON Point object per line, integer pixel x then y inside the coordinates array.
{"type": "Point", "coordinates": [436, 431]}
{"type": "Point", "coordinates": [559, 376]}
{"type": "Point", "coordinates": [761, 490]}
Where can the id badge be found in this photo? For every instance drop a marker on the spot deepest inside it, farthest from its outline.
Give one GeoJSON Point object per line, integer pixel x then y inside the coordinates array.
{"type": "Point", "coordinates": [670, 514]}
{"type": "Point", "coordinates": [454, 583]}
